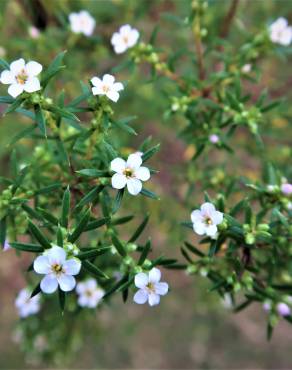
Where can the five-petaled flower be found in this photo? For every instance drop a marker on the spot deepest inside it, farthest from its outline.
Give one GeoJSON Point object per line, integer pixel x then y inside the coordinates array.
{"type": "Point", "coordinates": [58, 270]}
{"type": "Point", "coordinates": [107, 86]}
{"type": "Point", "coordinates": [22, 77]}
{"type": "Point", "coordinates": [150, 287]}
{"type": "Point", "coordinates": [82, 22]}
{"type": "Point", "coordinates": [89, 293]}
{"type": "Point", "coordinates": [206, 219]}
{"type": "Point", "coordinates": [130, 173]}
{"type": "Point", "coordinates": [126, 38]}
{"type": "Point", "coordinates": [280, 32]}
{"type": "Point", "coordinates": [26, 305]}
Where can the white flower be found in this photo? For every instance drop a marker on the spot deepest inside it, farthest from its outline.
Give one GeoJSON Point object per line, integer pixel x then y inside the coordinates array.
{"type": "Point", "coordinates": [214, 139]}
{"type": "Point", "coordinates": [82, 22]}
{"type": "Point", "coordinates": [22, 77]}
{"type": "Point", "coordinates": [246, 68]}
{"type": "Point", "coordinates": [89, 293]}
{"type": "Point", "coordinates": [283, 309]}
{"type": "Point", "coordinates": [150, 287]}
{"type": "Point", "coordinates": [33, 32]}
{"type": "Point", "coordinates": [280, 32]}
{"type": "Point", "coordinates": [227, 301]}
{"type": "Point", "coordinates": [126, 38]}
{"type": "Point", "coordinates": [6, 246]}
{"type": "Point", "coordinates": [26, 305]}
{"type": "Point", "coordinates": [107, 86]}
{"type": "Point", "coordinates": [286, 189]}
{"type": "Point", "coordinates": [129, 173]}
{"type": "Point", "coordinates": [58, 270]}
{"type": "Point", "coordinates": [206, 219]}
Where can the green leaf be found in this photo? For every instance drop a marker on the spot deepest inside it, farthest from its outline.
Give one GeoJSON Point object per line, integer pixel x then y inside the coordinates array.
{"type": "Point", "coordinates": [55, 67]}
{"type": "Point", "coordinates": [6, 100]}
{"type": "Point", "coordinates": [62, 299]}
{"type": "Point", "coordinates": [90, 197]}
{"type": "Point", "coordinates": [119, 246]}
{"type": "Point", "coordinates": [38, 235]}
{"type": "Point", "coordinates": [91, 172]}
{"type": "Point", "coordinates": [48, 188]}
{"type": "Point", "coordinates": [22, 134]}
{"type": "Point", "coordinates": [80, 227]}
{"type": "Point", "coordinates": [96, 224]}
{"type": "Point", "coordinates": [40, 119]}
{"type": "Point", "coordinates": [93, 253]}
{"type": "Point", "coordinates": [36, 290]}
{"type": "Point", "coordinates": [4, 64]}
{"type": "Point", "coordinates": [60, 241]}
{"type": "Point", "coordinates": [90, 267]}
{"type": "Point", "coordinates": [123, 124]}
{"type": "Point", "coordinates": [144, 253]}
{"type": "Point", "coordinates": [27, 247]}
{"type": "Point", "coordinates": [194, 250]}
{"type": "Point", "coordinates": [65, 208]}
{"type": "Point", "coordinates": [63, 112]}
{"type": "Point", "coordinates": [121, 220]}
{"type": "Point", "coordinates": [3, 231]}
{"type": "Point", "coordinates": [149, 194]}
{"type": "Point", "coordinates": [48, 216]}
{"type": "Point", "coordinates": [139, 230]}
{"type": "Point", "coordinates": [12, 107]}
{"type": "Point", "coordinates": [150, 152]}
{"type": "Point", "coordinates": [118, 200]}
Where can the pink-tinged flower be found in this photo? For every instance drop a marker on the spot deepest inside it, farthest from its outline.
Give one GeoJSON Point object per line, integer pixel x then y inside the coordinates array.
{"type": "Point", "coordinates": [58, 270]}
{"type": "Point", "coordinates": [214, 139]}
{"type": "Point", "coordinates": [82, 22]}
{"type": "Point", "coordinates": [26, 305]}
{"type": "Point", "coordinates": [22, 77]}
{"type": "Point", "coordinates": [34, 32]}
{"type": "Point", "coordinates": [89, 293]}
{"type": "Point", "coordinates": [130, 173]}
{"type": "Point", "coordinates": [126, 38]}
{"type": "Point", "coordinates": [280, 32]}
{"type": "Point", "coordinates": [286, 189]}
{"type": "Point", "coordinates": [206, 219]}
{"type": "Point", "coordinates": [283, 309]}
{"type": "Point", "coordinates": [150, 287]}
{"type": "Point", "coordinates": [6, 246]}
{"type": "Point", "coordinates": [107, 86]}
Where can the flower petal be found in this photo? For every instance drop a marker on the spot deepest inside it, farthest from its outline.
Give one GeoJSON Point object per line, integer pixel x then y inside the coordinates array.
{"type": "Point", "coordinates": [17, 66]}
{"type": "Point", "coordinates": [142, 173]}
{"type": "Point", "coordinates": [81, 288]}
{"type": "Point", "coordinates": [96, 81]}
{"type": "Point", "coordinates": [134, 186]}
{"type": "Point", "coordinates": [207, 208]}
{"type": "Point", "coordinates": [49, 284]}
{"type": "Point", "coordinates": [119, 181]}
{"type": "Point", "coordinates": [211, 230]}
{"type": "Point", "coordinates": [72, 266]}
{"type": "Point", "coordinates": [153, 299]}
{"type": "Point", "coordinates": [56, 255]}
{"type": "Point", "coordinates": [199, 228]}
{"type": "Point", "coordinates": [33, 68]}
{"type": "Point", "coordinates": [97, 90]}
{"type": "Point", "coordinates": [161, 288]}
{"type": "Point", "coordinates": [113, 95]}
{"type": "Point", "coordinates": [41, 265]}
{"type": "Point", "coordinates": [217, 217]}
{"type": "Point", "coordinates": [125, 29]}
{"type": "Point", "coordinates": [32, 84]}
{"type": "Point", "coordinates": [7, 77]}
{"type": "Point", "coordinates": [118, 86]}
{"type": "Point", "coordinates": [133, 38]}
{"type": "Point", "coordinates": [118, 165]}
{"type": "Point", "coordinates": [141, 280]}
{"type": "Point", "coordinates": [140, 297]}
{"type": "Point", "coordinates": [134, 161]}
{"type": "Point", "coordinates": [15, 89]}
{"type": "Point", "coordinates": [154, 275]}
{"type": "Point", "coordinates": [67, 282]}
{"type": "Point", "coordinates": [196, 216]}
{"type": "Point", "coordinates": [108, 79]}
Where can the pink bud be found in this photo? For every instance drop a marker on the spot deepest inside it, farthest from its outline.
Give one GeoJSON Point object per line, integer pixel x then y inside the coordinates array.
{"type": "Point", "coordinates": [286, 189]}
{"type": "Point", "coordinates": [214, 139]}
{"type": "Point", "coordinates": [283, 309]}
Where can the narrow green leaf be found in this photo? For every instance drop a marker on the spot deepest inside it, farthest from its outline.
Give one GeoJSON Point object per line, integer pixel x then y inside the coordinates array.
{"type": "Point", "coordinates": [40, 119]}
{"type": "Point", "coordinates": [194, 250]}
{"type": "Point", "coordinates": [150, 152]}
{"type": "Point", "coordinates": [90, 197]}
{"type": "Point", "coordinates": [96, 224]}
{"type": "Point", "coordinates": [139, 230]}
{"type": "Point", "coordinates": [36, 290]}
{"type": "Point", "coordinates": [90, 267]}
{"type": "Point", "coordinates": [149, 194]}
{"type": "Point", "coordinates": [65, 208]}
{"type": "Point", "coordinates": [80, 227]}
{"type": "Point", "coordinates": [91, 172]}
{"type": "Point", "coordinates": [27, 247]}
{"type": "Point", "coordinates": [118, 200]}
{"type": "Point", "coordinates": [62, 299]}
{"type": "Point", "coordinates": [119, 246]}
{"type": "Point", "coordinates": [93, 253]}
{"type": "Point", "coordinates": [38, 235]}
{"type": "Point", "coordinates": [144, 253]}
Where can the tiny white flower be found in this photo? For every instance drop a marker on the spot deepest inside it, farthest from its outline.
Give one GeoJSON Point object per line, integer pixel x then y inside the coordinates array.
{"type": "Point", "coordinates": [130, 173]}
{"type": "Point", "coordinates": [272, 188]}
{"type": "Point", "coordinates": [82, 22]}
{"type": "Point", "coordinates": [283, 309]}
{"type": "Point", "coordinates": [33, 32]}
{"type": "Point", "coordinates": [22, 77]}
{"type": "Point", "coordinates": [227, 301]}
{"type": "Point", "coordinates": [246, 68]}
{"type": "Point", "coordinates": [150, 287]}
{"type": "Point", "coordinates": [286, 189]}
{"type": "Point", "coordinates": [6, 246]}
{"type": "Point", "coordinates": [124, 39]}
{"type": "Point", "coordinates": [58, 270]}
{"type": "Point", "coordinates": [89, 293]}
{"type": "Point", "coordinates": [214, 139]}
{"type": "Point", "coordinates": [280, 32]}
{"type": "Point", "coordinates": [26, 305]}
{"type": "Point", "coordinates": [206, 219]}
{"type": "Point", "coordinates": [107, 86]}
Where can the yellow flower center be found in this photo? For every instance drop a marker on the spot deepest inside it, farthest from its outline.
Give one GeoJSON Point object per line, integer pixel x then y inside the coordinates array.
{"type": "Point", "coordinates": [22, 77]}
{"type": "Point", "coordinates": [208, 221]}
{"type": "Point", "coordinates": [150, 287]}
{"type": "Point", "coordinates": [88, 293]}
{"type": "Point", "coordinates": [128, 172]}
{"type": "Point", "coordinates": [57, 269]}
{"type": "Point", "coordinates": [125, 39]}
{"type": "Point", "coordinates": [105, 89]}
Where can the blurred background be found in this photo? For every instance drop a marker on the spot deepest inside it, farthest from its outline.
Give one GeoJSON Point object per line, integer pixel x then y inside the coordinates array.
{"type": "Point", "coordinates": [191, 328]}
